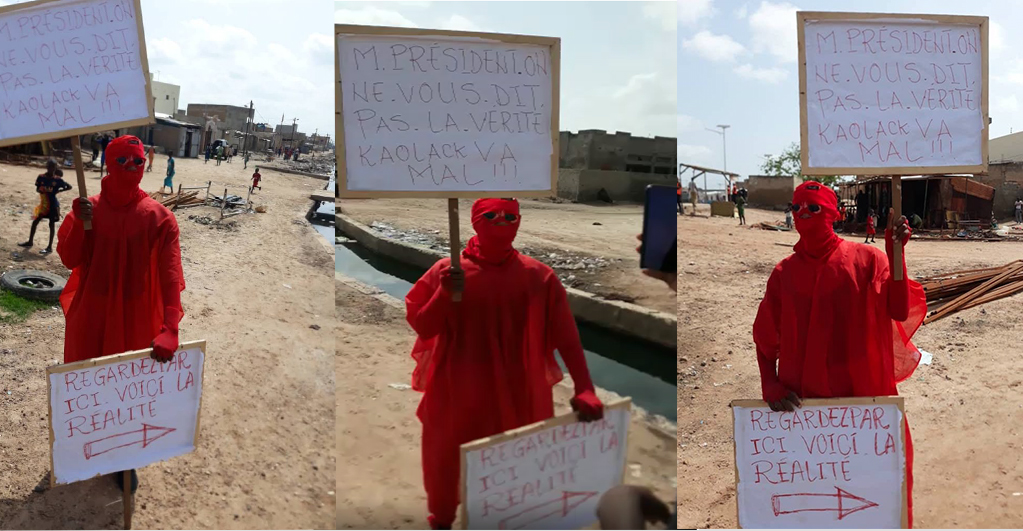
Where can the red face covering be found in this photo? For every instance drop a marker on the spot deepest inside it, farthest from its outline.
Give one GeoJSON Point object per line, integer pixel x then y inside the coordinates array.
{"type": "Point", "coordinates": [124, 158]}
{"type": "Point", "coordinates": [816, 237]}
{"type": "Point", "coordinates": [496, 222]}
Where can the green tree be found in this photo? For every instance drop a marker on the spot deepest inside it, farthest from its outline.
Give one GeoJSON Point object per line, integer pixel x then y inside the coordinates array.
{"type": "Point", "coordinates": [789, 163]}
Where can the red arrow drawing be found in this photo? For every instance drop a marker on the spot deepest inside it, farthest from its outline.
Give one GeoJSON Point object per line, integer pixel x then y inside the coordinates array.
{"type": "Point", "coordinates": [562, 505]}
{"type": "Point", "coordinates": [841, 502]}
{"type": "Point", "coordinates": [144, 436]}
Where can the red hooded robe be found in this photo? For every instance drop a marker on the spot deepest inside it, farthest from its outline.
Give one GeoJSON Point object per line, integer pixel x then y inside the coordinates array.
{"type": "Point", "coordinates": [486, 364]}
{"type": "Point", "coordinates": [834, 320]}
{"type": "Point", "coordinates": [126, 279]}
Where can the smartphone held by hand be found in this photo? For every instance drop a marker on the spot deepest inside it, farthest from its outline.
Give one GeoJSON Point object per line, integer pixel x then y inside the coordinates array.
{"type": "Point", "coordinates": [658, 247]}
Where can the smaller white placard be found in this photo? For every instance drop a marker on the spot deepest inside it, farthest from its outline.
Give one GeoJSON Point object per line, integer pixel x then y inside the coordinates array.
{"type": "Point", "coordinates": [123, 412]}
{"type": "Point", "coordinates": [826, 465]}
{"type": "Point", "coordinates": [548, 476]}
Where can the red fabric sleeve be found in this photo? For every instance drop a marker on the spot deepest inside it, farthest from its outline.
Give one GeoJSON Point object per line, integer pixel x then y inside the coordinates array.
{"type": "Point", "coordinates": [73, 240]}
{"type": "Point", "coordinates": [766, 336]}
{"type": "Point", "coordinates": [427, 306]}
{"type": "Point", "coordinates": [172, 277]}
{"type": "Point", "coordinates": [566, 336]}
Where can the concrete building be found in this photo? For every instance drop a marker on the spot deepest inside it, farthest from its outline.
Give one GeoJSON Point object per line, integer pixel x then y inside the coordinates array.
{"type": "Point", "coordinates": [582, 186]}
{"type": "Point", "coordinates": [170, 136]}
{"type": "Point", "coordinates": [595, 149]}
{"type": "Point", "coordinates": [166, 97]}
{"type": "Point", "coordinates": [1007, 180]}
{"type": "Point", "coordinates": [1008, 148]}
{"type": "Point", "coordinates": [769, 191]}
{"type": "Point", "coordinates": [231, 117]}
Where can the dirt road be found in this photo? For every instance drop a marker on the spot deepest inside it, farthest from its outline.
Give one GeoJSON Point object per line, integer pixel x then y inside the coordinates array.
{"type": "Point", "coordinates": [964, 408]}
{"type": "Point", "coordinates": [378, 434]}
{"type": "Point", "coordinates": [266, 450]}
{"type": "Point", "coordinates": [562, 235]}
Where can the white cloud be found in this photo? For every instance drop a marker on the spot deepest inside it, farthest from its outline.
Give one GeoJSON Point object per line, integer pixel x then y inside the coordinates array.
{"type": "Point", "coordinates": [648, 98]}
{"type": "Point", "coordinates": [770, 75]}
{"type": "Point", "coordinates": [773, 28]}
{"type": "Point", "coordinates": [1007, 104]}
{"type": "Point", "coordinates": [713, 47]}
{"type": "Point", "coordinates": [996, 37]}
{"type": "Point", "coordinates": [320, 48]}
{"type": "Point", "coordinates": [692, 11]}
{"type": "Point", "coordinates": [742, 12]}
{"type": "Point", "coordinates": [693, 153]}
{"type": "Point", "coordinates": [687, 124]}
{"type": "Point", "coordinates": [373, 16]}
{"type": "Point", "coordinates": [164, 50]}
{"type": "Point", "coordinates": [459, 23]}
{"type": "Point", "coordinates": [204, 58]}
{"type": "Point", "coordinates": [664, 12]}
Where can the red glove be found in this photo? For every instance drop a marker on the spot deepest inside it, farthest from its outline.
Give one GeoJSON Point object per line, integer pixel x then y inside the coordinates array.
{"type": "Point", "coordinates": [588, 406]}
{"type": "Point", "coordinates": [165, 345]}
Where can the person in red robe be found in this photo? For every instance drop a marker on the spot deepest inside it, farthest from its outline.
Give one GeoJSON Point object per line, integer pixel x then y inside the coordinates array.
{"type": "Point", "coordinates": [834, 322]}
{"type": "Point", "coordinates": [486, 364]}
{"type": "Point", "coordinates": [126, 280]}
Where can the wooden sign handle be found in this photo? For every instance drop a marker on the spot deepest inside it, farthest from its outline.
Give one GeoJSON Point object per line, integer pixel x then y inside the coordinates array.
{"type": "Point", "coordinates": [456, 242]}
{"type": "Point", "coordinates": [897, 207]}
{"type": "Point", "coordinates": [76, 149]}
{"type": "Point", "coordinates": [127, 497]}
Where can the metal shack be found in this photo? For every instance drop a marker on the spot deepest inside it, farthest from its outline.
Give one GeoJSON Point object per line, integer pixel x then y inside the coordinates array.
{"type": "Point", "coordinates": [942, 201]}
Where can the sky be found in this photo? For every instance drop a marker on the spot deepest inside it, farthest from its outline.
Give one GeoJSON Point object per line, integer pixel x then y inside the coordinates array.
{"type": "Point", "coordinates": [233, 51]}
{"type": "Point", "coordinates": [617, 58]}
{"type": "Point", "coordinates": [737, 67]}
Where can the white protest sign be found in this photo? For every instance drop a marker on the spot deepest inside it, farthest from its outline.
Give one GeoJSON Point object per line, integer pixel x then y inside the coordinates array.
{"type": "Point", "coordinates": [836, 463]}
{"type": "Point", "coordinates": [549, 475]}
{"type": "Point", "coordinates": [124, 411]}
{"type": "Point", "coordinates": [893, 94]}
{"type": "Point", "coordinates": [71, 67]}
{"type": "Point", "coordinates": [426, 113]}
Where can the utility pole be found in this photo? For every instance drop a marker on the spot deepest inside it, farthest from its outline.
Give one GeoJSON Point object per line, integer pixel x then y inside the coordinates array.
{"type": "Point", "coordinates": [724, 152]}
{"type": "Point", "coordinates": [291, 141]}
{"type": "Point", "coordinates": [247, 124]}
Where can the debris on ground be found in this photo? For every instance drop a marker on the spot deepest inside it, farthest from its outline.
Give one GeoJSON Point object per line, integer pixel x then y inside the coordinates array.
{"type": "Point", "coordinates": [319, 165]}
{"type": "Point", "coordinates": [229, 226]}
{"type": "Point", "coordinates": [960, 290]}
{"type": "Point", "coordinates": [175, 200]}
{"type": "Point", "coordinates": [780, 226]}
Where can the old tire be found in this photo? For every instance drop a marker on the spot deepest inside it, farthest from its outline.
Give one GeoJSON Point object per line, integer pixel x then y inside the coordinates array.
{"type": "Point", "coordinates": [35, 285]}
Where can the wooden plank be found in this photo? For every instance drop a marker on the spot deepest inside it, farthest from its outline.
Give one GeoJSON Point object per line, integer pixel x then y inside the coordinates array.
{"type": "Point", "coordinates": [972, 294]}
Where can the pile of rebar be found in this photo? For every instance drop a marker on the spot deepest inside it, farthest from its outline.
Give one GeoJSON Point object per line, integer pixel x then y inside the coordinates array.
{"type": "Point", "coordinates": [961, 290]}
{"type": "Point", "coordinates": [173, 201]}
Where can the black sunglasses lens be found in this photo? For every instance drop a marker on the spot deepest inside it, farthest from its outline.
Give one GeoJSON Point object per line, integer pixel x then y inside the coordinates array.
{"type": "Point", "coordinates": [490, 215]}
{"type": "Point", "coordinates": [122, 160]}
{"type": "Point", "coordinates": [510, 217]}
{"type": "Point", "coordinates": [814, 208]}
{"type": "Point", "coordinates": [795, 208]}
{"type": "Point", "coordinates": [139, 162]}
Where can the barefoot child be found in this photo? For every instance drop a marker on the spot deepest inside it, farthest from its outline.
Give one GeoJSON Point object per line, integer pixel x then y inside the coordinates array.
{"type": "Point", "coordinates": [48, 185]}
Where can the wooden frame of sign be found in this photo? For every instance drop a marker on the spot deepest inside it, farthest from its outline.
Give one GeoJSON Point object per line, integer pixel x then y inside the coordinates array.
{"type": "Point", "coordinates": [897, 401]}
{"type": "Point", "coordinates": [554, 45]}
{"type": "Point", "coordinates": [553, 422]}
{"type": "Point", "coordinates": [110, 360]}
{"type": "Point", "coordinates": [103, 127]}
{"type": "Point", "coordinates": [803, 16]}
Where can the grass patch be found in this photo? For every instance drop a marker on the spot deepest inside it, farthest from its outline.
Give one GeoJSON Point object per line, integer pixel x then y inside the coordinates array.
{"type": "Point", "coordinates": [15, 309]}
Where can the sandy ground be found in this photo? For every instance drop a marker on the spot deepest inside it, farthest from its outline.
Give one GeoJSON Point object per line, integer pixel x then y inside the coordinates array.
{"type": "Point", "coordinates": [558, 228]}
{"type": "Point", "coordinates": [378, 434]}
{"type": "Point", "coordinates": [266, 455]}
{"type": "Point", "coordinates": [964, 408]}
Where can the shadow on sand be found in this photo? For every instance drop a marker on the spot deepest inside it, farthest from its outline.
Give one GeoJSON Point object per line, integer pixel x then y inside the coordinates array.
{"type": "Point", "coordinates": [91, 504]}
